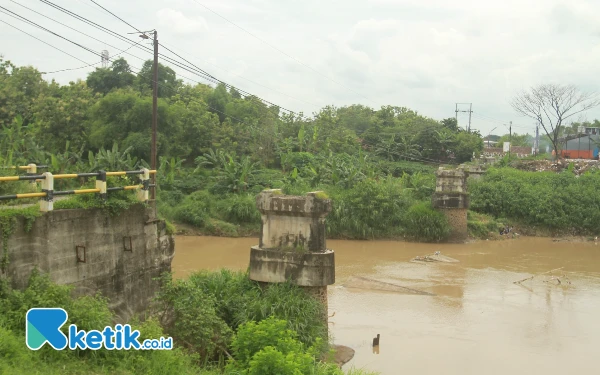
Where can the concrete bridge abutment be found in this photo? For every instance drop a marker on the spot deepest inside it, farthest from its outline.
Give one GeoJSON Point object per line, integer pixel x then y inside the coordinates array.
{"type": "Point", "coordinates": [451, 198]}
{"type": "Point", "coordinates": [292, 245]}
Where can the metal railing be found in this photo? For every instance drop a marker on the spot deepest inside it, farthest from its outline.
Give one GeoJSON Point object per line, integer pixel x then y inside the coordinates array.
{"type": "Point", "coordinates": [48, 192]}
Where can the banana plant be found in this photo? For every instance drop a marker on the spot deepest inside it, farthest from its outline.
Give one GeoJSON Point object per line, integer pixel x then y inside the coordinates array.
{"type": "Point", "coordinates": [115, 160]}
{"type": "Point", "coordinates": [169, 168]}
{"type": "Point", "coordinates": [213, 159]}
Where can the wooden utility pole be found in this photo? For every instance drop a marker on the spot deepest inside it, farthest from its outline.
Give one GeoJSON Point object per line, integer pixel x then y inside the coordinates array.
{"type": "Point", "coordinates": [509, 139]}
{"type": "Point", "coordinates": [154, 113]}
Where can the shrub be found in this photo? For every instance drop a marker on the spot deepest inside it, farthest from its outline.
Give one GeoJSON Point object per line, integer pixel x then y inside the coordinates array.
{"type": "Point", "coordinates": [270, 348]}
{"type": "Point", "coordinates": [372, 209]}
{"type": "Point", "coordinates": [195, 209]}
{"type": "Point", "coordinates": [423, 223]}
{"type": "Point", "coordinates": [239, 300]}
{"type": "Point", "coordinates": [561, 202]}
{"type": "Point", "coordinates": [239, 209]}
{"type": "Point", "coordinates": [190, 317]}
{"type": "Point", "coordinates": [217, 227]}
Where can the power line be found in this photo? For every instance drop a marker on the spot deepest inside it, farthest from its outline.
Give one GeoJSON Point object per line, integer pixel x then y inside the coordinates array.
{"type": "Point", "coordinates": [81, 67]}
{"type": "Point", "coordinates": [132, 43]}
{"type": "Point", "coordinates": [125, 22]}
{"type": "Point", "coordinates": [34, 37]}
{"type": "Point", "coordinates": [51, 32]}
{"type": "Point", "coordinates": [226, 84]}
{"type": "Point", "coordinates": [499, 122]}
{"type": "Point", "coordinates": [416, 158]}
{"type": "Point", "coordinates": [203, 72]}
{"type": "Point", "coordinates": [256, 83]}
{"type": "Point", "coordinates": [199, 71]}
{"type": "Point", "coordinates": [280, 51]}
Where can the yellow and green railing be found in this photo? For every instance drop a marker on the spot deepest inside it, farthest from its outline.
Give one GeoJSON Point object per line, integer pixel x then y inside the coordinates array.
{"type": "Point", "coordinates": [48, 193]}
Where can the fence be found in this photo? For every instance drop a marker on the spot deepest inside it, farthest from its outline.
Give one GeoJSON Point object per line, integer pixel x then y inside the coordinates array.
{"type": "Point", "coordinates": [48, 193]}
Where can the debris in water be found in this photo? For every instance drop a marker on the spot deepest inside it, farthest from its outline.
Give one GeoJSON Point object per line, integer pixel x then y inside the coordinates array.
{"type": "Point", "coordinates": [552, 278]}
{"type": "Point", "coordinates": [435, 257]}
{"type": "Point", "coordinates": [365, 283]}
{"type": "Point", "coordinates": [376, 340]}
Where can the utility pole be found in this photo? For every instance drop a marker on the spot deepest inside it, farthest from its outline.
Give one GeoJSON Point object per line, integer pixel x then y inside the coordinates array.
{"type": "Point", "coordinates": [509, 139]}
{"type": "Point", "coordinates": [154, 113]}
{"type": "Point", "coordinates": [470, 111]}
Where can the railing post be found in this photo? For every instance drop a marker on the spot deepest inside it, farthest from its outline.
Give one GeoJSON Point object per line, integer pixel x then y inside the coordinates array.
{"type": "Point", "coordinates": [101, 184]}
{"type": "Point", "coordinates": [31, 170]}
{"type": "Point", "coordinates": [46, 204]}
{"type": "Point", "coordinates": [142, 194]}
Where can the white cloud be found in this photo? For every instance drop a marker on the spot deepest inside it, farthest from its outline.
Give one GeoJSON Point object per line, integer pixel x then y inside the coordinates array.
{"type": "Point", "coordinates": [426, 55]}
{"type": "Point", "coordinates": [179, 23]}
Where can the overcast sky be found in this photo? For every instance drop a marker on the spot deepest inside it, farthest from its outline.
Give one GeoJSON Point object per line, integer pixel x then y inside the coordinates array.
{"type": "Point", "coordinates": [423, 54]}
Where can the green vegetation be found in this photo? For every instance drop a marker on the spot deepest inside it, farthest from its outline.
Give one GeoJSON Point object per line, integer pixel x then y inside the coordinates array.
{"type": "Point", "coordinates": [562, 202]}
{"type": "Point", "coordinates": [217, 149]}
{"type": "Point", "coordinates": [483, 226]}
{"type": "Point", "coordinates": [271, 332]}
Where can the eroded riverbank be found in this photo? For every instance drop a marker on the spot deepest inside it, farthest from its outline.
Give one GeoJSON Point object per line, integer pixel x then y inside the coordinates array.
{"type": "Point", "coordinates": [477, 322]}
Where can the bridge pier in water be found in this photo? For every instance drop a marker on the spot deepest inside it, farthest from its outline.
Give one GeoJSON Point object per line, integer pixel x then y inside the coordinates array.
{"type": "Point", "coordinates": [451, 198]}
{"type": "Point", "coordinates": [292, 243]}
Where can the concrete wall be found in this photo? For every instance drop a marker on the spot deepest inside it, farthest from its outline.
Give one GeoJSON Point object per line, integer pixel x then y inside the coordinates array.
{"type": "Point", "coordinates": [122, 254]}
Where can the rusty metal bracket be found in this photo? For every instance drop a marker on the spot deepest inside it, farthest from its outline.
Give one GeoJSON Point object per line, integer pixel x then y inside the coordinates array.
{"type": "Point", "coordinates": [80, 250]}
{"type": "Point", "coordinates": [127, 245]}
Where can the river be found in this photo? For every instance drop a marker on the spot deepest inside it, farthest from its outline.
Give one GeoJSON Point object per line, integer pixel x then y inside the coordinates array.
{"type": "Point", "coordinates": [478, 321]}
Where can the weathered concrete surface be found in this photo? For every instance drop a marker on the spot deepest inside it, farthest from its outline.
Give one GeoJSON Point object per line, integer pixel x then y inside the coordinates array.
{"type": "Point", "coordinates": [451, 198]}
{"type": "Point", "coordinates": [292, 222]}
{"type": "Point", "coordinates": [303, 269]}
{"type": "Point", "coordinates": [474, 172]}
{"type": "Point", "coordinates": [121, 270]}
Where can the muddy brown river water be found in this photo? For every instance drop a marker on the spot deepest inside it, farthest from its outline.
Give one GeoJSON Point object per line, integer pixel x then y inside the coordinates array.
{"type": "Point", "coordinates": [477, 321]}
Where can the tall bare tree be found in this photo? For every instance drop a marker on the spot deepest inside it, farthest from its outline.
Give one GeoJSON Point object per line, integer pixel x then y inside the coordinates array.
{"type": "Point", "coordinates": [551, 104]}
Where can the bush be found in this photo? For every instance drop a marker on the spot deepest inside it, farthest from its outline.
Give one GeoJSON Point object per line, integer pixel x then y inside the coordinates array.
{"type": "Point", "coordinates": [561, 202]}
{"type": "Point", "coordinates": [270, 348]}
{"type": "Point", "coordinates": [195, 209]}
{"type": "Point", "coordinates": [189, 315]}
{"type": "Point", "coordinates": [424, 223]}
{"type": "Point", "coordinates": [372, 209]}
{"type": "Point", "coordinates": [217, 227]}
{"type": "Point", "coordinates": [482, 225]}
{"type": "Point", "coordinates": [239, 300]}
{"type": "Point", "coordinates": [239, 209]}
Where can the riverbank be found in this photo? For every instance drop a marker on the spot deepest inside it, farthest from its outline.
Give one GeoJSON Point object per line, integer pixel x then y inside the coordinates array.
{"type": "Point", "coordinates": [517, 232]}
{"type": "Point", "coordinates": [539, 325]}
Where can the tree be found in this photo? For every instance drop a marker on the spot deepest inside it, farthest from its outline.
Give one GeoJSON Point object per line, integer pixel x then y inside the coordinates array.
{"type": "Point", "coordinates": [103, 80]}
{"type": "Point", "coordinates": [551, 105]}
{"type": "Point", "coordinates": [19, 88]}
{"type": "Point", "coordinates": [168, 84]}
{"type": "Point", "coordinates": [450, 123]}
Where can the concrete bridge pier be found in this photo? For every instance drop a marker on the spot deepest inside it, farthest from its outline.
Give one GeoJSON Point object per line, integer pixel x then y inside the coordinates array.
{"type": "Point", "coordinates": [451, 198]}
{"type": "Point", "coordinates": [292, 243]}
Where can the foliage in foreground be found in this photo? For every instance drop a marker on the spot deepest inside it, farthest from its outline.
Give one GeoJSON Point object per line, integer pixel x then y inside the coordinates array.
{"type": "Point", "coordinates": [260, 342]}
{"type": "Point", "coordinates": [89, 312]}
{"type": "Point", "coordinates": [203, 311]}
